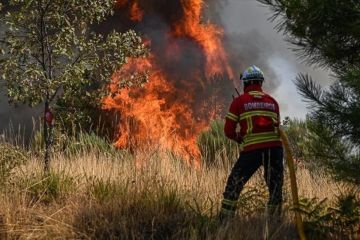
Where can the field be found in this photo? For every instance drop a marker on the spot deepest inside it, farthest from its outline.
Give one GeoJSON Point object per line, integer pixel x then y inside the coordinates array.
{"type": "Point", "coordinates": [128, 99]}
{"type": "Point", "coordinates": [146, 194]}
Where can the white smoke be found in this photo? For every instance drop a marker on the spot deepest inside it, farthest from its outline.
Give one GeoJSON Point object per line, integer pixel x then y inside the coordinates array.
{"type": "Point", "coordinates": [250, 19]}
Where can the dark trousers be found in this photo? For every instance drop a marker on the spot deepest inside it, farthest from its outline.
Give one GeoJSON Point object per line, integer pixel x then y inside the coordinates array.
{"type": "Point", "coordinates": [245, 167]}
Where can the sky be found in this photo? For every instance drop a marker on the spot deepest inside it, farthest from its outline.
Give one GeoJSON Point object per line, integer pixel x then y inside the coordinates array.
{"type": "Point", "coordinates": [246, 16]}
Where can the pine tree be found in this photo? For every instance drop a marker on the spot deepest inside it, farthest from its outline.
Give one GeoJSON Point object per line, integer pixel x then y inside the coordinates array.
{"type": "Point", "coordinates": [327, 34]}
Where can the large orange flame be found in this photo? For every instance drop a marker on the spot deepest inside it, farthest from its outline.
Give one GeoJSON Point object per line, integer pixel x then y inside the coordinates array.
{"type": "Point", "coordinates": [207, 35]}
{"type": "Point", "coordinates": [161, 113]}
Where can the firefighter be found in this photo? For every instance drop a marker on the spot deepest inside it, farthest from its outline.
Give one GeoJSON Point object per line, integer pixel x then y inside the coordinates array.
{"type": "Point", "coordinates": [257, 114]}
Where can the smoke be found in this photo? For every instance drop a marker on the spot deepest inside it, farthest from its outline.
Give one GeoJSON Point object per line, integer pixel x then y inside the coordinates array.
{"type": "Point", "coordinates": [246, 49]}
{"type": "Point", "coordinates": [267, 49]}
{"type": "Point", "coordinates": [248, 39]}
{"type": "Point", "coordinates": [252, 18]}
{"type": "Point", "coordinates": [158, 20]}
{"type": "Point", "coordinates": [177, 41]}
{"type": "Point", "coordinates": [17, 120]}
{"type": "Point", "coordinates": [244, 42]}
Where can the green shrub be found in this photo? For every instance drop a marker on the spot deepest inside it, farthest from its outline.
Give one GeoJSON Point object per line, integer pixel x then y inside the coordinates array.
{"type": "Point", "coordinates": [215, 148]}
{"type": "Point", "coordinates": [79, 143]}
{"type": "Point", "coordinates": [10, 157]}
{"type": "Point", "coordinates": [37, 143]}
{"type": "Point", "coordinates": [322, 221]}
{"type": "Point", "coordinates": [87, 142]}
{"type": "Point", "coordinates": [105, 190]}
{"type": "Point", "coordinates": [48, 188]}
{"type": "Point", "coordinates": [253, 199]}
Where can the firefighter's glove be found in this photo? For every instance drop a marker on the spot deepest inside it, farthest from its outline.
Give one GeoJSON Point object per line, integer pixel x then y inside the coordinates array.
{"type": "Point", "coordinates": [239, 139]}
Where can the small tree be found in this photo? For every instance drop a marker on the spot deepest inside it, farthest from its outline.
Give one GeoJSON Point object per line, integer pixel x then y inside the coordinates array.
{"type": "Point", "coordinates": [48, 47]}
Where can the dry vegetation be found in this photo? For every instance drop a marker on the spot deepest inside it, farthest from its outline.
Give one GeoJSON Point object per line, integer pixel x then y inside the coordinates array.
{"type": "Point", "coordinates": [144, 195]}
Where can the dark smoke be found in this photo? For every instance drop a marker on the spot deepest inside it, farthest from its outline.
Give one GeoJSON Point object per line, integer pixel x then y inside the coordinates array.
{"type": "Point", "coordinates": [180, 57]}
{"type": "Point", "coordinates": [17, 120]}
{"type": "Point", "coordinates": [243, 48]}
{"type": "Point", "coordinates": [159, 19]}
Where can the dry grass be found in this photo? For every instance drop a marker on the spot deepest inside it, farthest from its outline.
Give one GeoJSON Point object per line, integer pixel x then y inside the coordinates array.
{"type": "Point", "coordinates": [147, 195]}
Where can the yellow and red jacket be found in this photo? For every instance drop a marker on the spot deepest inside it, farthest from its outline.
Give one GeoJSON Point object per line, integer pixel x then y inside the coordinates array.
{"type": "Point", "coordinates": [259, 119]}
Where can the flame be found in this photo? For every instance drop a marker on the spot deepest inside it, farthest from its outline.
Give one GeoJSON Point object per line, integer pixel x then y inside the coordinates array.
{"type": "Point", "coordinates": [207, 35]}
{"type": "Point", "coordinates": [164, 112]}
{"type": "Point", "coordinates": [136, 13]}
{"type": "Point", "coordinates": [121, 3]}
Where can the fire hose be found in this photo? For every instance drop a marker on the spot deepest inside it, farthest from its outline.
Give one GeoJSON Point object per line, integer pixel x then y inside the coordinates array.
{"type": "Point", "coordinates": [294, 188]}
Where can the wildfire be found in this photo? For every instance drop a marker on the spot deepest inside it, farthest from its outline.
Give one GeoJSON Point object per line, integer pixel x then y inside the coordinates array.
{"type": "Point", "coordinates": [166, 112]}
{"type": "Point", "coordinates": [207, 35]}
{"type": "Point", "coordinates": [136, 14]}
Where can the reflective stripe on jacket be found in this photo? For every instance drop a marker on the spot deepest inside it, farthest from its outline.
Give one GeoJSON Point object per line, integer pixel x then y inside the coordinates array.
{"type": "Point", "coordinates": [257, 113]}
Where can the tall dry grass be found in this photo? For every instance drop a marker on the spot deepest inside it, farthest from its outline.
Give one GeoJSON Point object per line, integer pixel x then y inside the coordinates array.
{"type": "Point", "coordinates": [144, 195]}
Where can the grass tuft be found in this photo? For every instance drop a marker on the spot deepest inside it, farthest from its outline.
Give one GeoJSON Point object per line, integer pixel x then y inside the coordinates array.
{"type": "Point", "coordinates": [215, 148]}
{"type": "Point", "coordinates": [10, 157]}
{"type": "Point", "coordinates": [46, 189]}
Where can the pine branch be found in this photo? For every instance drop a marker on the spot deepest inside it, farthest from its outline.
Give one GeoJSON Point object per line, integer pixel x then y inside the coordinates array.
{"type": "Point", "coordinates": [308, 89]}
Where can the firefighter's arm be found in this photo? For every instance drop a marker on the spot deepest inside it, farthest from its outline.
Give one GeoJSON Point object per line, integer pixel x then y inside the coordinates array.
{"type": "Point", "coordinates": [231, 121]}
{"type": "Point", "coordinates": [230, 131]}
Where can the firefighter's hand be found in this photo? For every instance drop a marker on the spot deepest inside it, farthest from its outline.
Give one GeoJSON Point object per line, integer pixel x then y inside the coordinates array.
{"type": "Point", "coordinates": [239, 139]}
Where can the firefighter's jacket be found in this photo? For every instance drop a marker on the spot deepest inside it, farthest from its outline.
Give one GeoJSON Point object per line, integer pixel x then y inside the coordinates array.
{"type": "Point", "coordinates": [258, 116]}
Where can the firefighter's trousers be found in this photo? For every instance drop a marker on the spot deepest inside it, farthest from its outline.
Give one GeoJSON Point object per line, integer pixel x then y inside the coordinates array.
{"type": "Point", "coordinates": [245, 167]}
